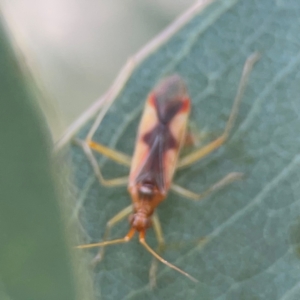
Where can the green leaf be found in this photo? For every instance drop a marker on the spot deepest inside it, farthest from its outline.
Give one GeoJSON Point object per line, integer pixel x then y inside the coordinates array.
{"type": "Point", "coordinates": [34, 257]}
{"type": "Point", "coordinates": [252, 226]}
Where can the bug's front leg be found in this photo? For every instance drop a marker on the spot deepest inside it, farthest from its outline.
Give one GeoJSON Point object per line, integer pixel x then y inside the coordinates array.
{"type": "Point", "coordinates": [111, 223]}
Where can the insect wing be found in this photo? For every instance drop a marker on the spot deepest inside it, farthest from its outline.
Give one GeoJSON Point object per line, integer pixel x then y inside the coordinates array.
{"type": "Point", "coordinates": [152, 169]}
{"type": "Point", "coordinates": [161, 133]}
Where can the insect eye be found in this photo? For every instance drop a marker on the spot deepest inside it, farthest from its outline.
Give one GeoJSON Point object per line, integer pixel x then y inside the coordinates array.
{"type": "Point", "coordinates": [139, 222]}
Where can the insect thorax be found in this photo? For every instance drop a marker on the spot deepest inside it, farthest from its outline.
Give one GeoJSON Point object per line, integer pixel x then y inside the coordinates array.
{"type": "Point", "coordinates": [147, 190]}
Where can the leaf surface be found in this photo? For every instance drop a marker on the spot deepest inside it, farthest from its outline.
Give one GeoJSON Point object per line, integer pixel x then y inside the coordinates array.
{"type": "Point", "coordinates": [252, 226]}
{"type": "Point", "coordinates": [34, 258]}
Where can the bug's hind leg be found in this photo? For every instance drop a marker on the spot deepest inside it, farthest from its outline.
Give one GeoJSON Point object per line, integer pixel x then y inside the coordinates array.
{"type": "Point", "coordinates": [204, 151]}
{"type": "Point", "coordinates": [114, 155]}
{"type": "Point", "coordinates": [111, 223]}
{"type": "Point", "coordinates": [160, 248]}
{"type": "Point", "coordinates": [105, 182]}
{"type": "Point", "coordinates": [229, 178]}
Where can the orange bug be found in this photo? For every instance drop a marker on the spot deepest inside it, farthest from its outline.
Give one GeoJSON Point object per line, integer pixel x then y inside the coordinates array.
{"type": "Point", "coordinates": [160, 137]}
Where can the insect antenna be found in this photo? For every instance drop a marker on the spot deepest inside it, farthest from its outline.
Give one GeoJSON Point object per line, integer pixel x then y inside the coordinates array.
{"type": "Point", "coordinates": [149, 249]}
{"type": "Point", "coordinates": [125, 239]}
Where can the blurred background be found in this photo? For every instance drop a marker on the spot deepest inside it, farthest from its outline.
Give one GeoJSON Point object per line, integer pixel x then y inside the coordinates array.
{"type": "Point", "coordinates": [77, 47]}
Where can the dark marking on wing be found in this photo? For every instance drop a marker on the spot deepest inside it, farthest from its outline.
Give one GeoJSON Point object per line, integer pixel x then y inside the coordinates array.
{"type": "Point", "coordinates": [168, 98]}
{"type": "Point", "coordinates": [159, 140]}
{"type": "Point", "coordinates": [162, 135]}
{"type": "Point", "coordinates": [167, 110]}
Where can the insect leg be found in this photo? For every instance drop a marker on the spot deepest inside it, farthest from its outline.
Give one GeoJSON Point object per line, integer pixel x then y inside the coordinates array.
{"type": "Point", "coordinates": [229, 178]}
{"type": "Point", "coordinates": [202, 152]}
{"type": "Point", "coordinates": [117, 156]}
{"type": "Point", "coordinates": [105, 182]}
{"type": "Point", "coordinates": [159, 250]}
{"type": "Point", "coordinates": [111, 223]}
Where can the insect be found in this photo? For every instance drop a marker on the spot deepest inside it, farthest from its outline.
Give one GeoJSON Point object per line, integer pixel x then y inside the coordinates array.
{"type": "Point", "coordinates": [160, 137]}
